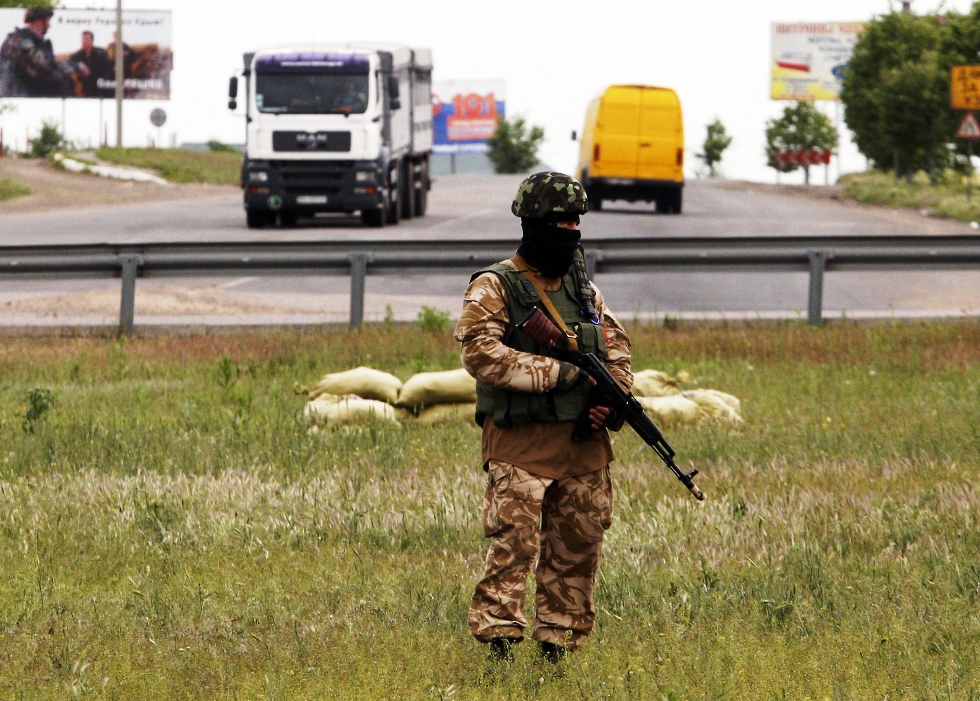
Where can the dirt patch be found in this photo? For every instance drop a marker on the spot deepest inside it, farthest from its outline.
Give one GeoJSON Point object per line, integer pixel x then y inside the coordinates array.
{"type": "Point", "coordinates": [817, 192]}
{"type": "Point", "coordinates": [158, 301]}
{"type": "Point", "coordinates": [55, 188]}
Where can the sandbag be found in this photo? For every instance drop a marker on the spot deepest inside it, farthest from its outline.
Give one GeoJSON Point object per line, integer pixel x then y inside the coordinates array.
{"type": "Point", "coordinates": [654, 383]}
{"type": "Point", "coordinates": [446, 413]}
{"type": "Point", "coordinates": [428, 389]}
{"type": "Point", "coordinates": [673, 410]}
{"type": "Point", "coordinates": [331, 410]}
{"type": "Point", "coordinates": [712, 406]}
{"type": "Point", "coordinates": [366, 383]}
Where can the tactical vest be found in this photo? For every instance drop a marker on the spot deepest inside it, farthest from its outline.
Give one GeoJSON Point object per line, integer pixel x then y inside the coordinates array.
{"type": "Point", "coordinates": [510, 408]}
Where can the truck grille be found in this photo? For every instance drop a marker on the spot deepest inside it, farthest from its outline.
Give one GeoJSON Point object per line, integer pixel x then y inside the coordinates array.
{"type": "Point", "coordinates": [320, 177]}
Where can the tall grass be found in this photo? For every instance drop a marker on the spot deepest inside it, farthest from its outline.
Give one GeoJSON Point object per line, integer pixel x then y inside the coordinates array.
{"type": "Point", "coordinates": [10, 188]}
{"type": "Point", "coordinates": [168, 529]}
{"type": "Point", "coordinates": [179, 165]}
{"type": "Point", "coordinates": [945, 199]}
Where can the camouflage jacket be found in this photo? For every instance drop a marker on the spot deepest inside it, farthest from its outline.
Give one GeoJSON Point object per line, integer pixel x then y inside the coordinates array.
{"type": "Point", "coordinates": [485, 323]}
{"type": "Point", "coordinates": [28, 67]}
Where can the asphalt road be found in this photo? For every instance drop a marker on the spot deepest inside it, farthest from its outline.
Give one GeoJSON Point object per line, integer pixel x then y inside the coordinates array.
{"type": "Point", "coordinates": [464, 207]}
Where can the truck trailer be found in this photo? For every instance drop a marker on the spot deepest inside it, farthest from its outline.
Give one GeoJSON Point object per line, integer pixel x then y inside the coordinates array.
{"type": "Point", "coordinates": [343, 127]}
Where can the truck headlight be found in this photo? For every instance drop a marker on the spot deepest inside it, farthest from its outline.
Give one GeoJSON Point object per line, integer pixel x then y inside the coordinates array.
{"type": "Point", "coordinates": [258, 176]}
{"type": "Point", "coordinates": [365, 176]}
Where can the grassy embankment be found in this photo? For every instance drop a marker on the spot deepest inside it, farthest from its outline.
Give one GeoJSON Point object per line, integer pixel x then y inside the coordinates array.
{"type": "Point", "coordinates": [179, 165]}
{"type": "Point", "coordinates": [10, 188]}
{"type": "Point", "coordinates": [942, 200]}
{"type": "Point", "coordinates": [168, 529]}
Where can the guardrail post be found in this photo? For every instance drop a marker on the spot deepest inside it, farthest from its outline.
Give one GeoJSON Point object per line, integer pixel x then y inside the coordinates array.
{"type": "Point", "coordinates": [818, 261]}
{"type": "Point", "coordinates": [127, 306]}
{"type": "Point", "coordinates": [358, 271]}
{"type": "Point", "coordinates": [592, 259]}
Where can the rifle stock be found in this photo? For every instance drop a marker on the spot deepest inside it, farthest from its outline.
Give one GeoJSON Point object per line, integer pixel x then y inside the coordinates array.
{"type": "Point", "coordinates": [607, 392]}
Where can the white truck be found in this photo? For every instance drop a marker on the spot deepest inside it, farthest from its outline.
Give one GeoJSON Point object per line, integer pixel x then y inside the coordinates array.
{"type": "Point", "coordinates": [336, 128]}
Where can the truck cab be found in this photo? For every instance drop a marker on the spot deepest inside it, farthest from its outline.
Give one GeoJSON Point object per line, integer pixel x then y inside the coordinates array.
{"type": "Point", "coordinates": [336, 128]}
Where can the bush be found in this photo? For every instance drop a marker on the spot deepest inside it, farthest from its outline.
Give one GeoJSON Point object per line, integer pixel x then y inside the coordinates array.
{"type": "Point", "coordinates": [431, 319]}
{"type": "Point", "coordinates": [48, 141]}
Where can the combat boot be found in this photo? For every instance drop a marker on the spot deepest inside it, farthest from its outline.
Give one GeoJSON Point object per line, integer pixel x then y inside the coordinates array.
{"type": "Point", "coordinates": [501, 649]}
{"type": "Point", "coordinates": [550, 652]}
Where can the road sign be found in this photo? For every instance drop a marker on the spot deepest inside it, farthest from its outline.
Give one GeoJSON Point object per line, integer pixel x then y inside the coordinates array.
{"type": "Point", "coordinates": [158, 117]}
{"type": "Point", "coordinates": [969, 127]}
{"type": "Point", "coordinates": [964, 87]}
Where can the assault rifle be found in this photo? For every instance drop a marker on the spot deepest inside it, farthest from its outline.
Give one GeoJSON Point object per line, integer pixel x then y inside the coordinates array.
{"type": "Point", "coordinates": [605, 392]}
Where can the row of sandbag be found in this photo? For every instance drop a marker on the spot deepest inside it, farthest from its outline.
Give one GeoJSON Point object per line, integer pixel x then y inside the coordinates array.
{"type": "Point", "coordinates": [436, 397]}
{"type": "Point", "coordinates": [366, 393]}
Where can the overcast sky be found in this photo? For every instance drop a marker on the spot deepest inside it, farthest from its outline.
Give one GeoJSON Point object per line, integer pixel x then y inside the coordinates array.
{"type": "Point", "coordinates": [553, 56]}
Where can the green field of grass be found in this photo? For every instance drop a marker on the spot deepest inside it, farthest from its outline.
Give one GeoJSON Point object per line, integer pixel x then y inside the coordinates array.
{"type": "Point", "coordinates": [10, 188]}
{"type": "Point", "coordinates": [947, 199]}
{"type": "Point", "coordinates": [179, 165]}
{"type": "Point", "coordinates": [170, 530]}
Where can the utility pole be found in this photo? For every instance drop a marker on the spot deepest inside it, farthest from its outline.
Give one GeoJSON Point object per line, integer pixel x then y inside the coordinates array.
{"type": "Point", "coordinates": [119, 74]}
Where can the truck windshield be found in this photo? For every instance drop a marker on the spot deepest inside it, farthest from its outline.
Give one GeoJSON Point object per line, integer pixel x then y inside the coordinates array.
{"type": "Point", "coordinates": [311, 93]}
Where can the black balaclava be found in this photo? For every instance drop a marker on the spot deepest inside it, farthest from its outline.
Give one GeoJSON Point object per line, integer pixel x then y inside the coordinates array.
{"type": "Point", "coordinates": [548, 247]}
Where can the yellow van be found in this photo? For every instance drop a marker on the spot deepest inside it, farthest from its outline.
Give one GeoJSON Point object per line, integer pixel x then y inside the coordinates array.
{"type": "Point", "coordinates": [632, 147]}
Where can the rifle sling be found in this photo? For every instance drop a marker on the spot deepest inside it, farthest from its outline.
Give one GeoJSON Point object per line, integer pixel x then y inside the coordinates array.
{"type": "Point", "coordinates": [523, 269]}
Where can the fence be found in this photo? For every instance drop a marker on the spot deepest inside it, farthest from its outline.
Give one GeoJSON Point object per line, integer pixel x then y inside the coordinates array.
{"type": "Point", "coordinates": [358, 259]}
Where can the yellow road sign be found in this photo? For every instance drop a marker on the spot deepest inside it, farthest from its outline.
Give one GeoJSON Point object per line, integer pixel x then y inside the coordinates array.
{"type": "Point", "coordinates": [964, 87]}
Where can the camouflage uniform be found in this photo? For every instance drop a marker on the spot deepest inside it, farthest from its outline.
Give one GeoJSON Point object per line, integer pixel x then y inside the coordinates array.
{"type": "Point", "coordinates": [548, 500]}
{"type": "Point", "coordinates": [28, 67]}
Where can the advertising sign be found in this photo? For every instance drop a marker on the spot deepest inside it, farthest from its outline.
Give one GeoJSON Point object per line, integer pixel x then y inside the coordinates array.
{"type": "Point", "coordinates": [809, 59]}
{"type": "Point", "coordinates": [964, 87]}
{"type": "Point", "coordinates": [72, 54]}
{"type": "Point", "coordinates": [465, 114]}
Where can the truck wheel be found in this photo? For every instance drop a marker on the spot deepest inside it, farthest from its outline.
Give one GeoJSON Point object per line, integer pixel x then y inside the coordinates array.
{"type": "Point", "coordinates": [255, 219]}
{"type": "Point", "coordinates": [664, 203]}
{"type": "Point", "coordinates": [422, 192]}
{"type": "Point", "coordinates": [394, 206]}
{"type": "Point", "coordinates": [288, 219]}
{"type": "Point", "coordinates": [595, 204]}
{"type": "Point", "coordinates": [407, 193]}
{"type": "Point", "coordinates": [373, 217]}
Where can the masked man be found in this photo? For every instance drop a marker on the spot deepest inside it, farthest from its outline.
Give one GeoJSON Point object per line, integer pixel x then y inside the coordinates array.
{"type": "Point", "coordinates": [548, 499]}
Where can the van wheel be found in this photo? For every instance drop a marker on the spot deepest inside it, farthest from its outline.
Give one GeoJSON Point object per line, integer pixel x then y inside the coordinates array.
{"type": "Point", "coordinates": [595, 204]}
{"type": "Point", "coordinates": [663, 203]}
{"type": "Point", "coordinates": [678, 202]}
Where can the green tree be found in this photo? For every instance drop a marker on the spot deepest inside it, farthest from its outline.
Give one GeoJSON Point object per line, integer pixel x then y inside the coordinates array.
{"type": "Point", "coordinates": [715, 144]}
{"type": "Point", "coordinates": [28, 3]}
{"type": "Point", "coordinates": [801, 128]}
{"type": "Point", "coordinates": [514, 147]}
{"type": "Point", "coordinates": [896, 90]}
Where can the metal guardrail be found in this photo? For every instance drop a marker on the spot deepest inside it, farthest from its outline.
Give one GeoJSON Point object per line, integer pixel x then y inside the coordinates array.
{"type": "Point", "coordinates": [358, 259]}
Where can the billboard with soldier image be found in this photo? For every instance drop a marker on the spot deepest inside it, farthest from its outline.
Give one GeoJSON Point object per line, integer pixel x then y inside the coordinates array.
{"type": "Point", "coordinates": [71, 53]}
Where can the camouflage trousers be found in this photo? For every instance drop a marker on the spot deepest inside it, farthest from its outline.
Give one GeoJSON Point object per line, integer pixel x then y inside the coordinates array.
{"type": "Point", "coordinates": [554, 526]}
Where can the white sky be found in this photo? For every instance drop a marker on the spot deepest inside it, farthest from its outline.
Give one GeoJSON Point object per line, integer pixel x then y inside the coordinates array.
{"type": "Point", "coordinates": [553, 56]}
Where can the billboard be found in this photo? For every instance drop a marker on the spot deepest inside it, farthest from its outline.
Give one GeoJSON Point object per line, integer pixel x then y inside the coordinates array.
{"type": "Point", "coordinates": [809, 59]}
{"type": "Point", "coordinates": [72, 54]}
{"type": "Point", "coordinates": [465, 114]}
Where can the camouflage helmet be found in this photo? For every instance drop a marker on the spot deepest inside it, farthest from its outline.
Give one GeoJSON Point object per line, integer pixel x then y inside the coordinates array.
{"type": "Point", "coordinates": [33, 14]}
{"type": "Point", "coordinates": [547, 192]}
